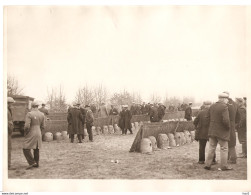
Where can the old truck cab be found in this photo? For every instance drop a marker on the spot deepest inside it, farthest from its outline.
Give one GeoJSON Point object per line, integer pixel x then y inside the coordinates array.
{"type": "Point", "coordinates": [20, 108]}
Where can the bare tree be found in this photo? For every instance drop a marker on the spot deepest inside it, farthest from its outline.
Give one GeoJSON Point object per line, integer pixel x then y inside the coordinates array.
{"type": "Point", "coordinates": [136, 97]}
{"type": "Point", "coordinates": [56, 99]}
{"type": "Point", "coordinates": [84, 95]}
{"type": "Point", "coordinates": [155, 98]}
{"type": "Point", "coordinates": [100, 94]}
{"type": "Point", "coordinates": [13, 87]}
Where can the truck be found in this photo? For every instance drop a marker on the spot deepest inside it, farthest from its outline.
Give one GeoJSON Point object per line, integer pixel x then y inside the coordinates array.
{"type": "Point", "coordinates": [19, 110]}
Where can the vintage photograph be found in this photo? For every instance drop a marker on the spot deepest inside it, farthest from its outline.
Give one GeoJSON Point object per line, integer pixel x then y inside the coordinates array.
{"type": "Point", "coordinates": [126, 93]}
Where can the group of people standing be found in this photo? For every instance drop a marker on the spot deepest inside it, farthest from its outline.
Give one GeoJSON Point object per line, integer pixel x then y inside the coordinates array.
{"type": "Point", "coordinates": [218, 123]}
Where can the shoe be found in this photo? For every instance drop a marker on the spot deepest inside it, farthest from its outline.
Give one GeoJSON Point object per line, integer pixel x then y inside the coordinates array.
{"type": "Point", "coordinates": [32, 166]}
{"type": "Point", "coordinates": [207, 168]}
{"type": "Point", "coordinates": [201, 162]}
{"type": "Point", "coordinates": [232, 161]}
{"type": "Point", "coordinates": [225, 169]}
{"type": "Point", "coordinates": [11, 168]}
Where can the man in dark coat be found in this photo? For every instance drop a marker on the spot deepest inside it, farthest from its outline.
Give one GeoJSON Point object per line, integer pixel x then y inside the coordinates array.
{"type": "Point", "coordinates": [44, 110]}
{"type": "Point", "coordinates": [89, 121]}
{"type": "Point", "coordinates": [125, 120]}
{"type": "Point", "coordinates": [10, 101]}
{"type": "Point", "coordinates": [144, 108]}
{"type": "Point", "coordinates": [219, 132]}
{"type": "Point", "coordinates": [113, 111]}
{"type": "Point", "coordinates": [233, 116]}
{"type": "Point", "coordinates": [161, 111]}
{"type": "Point", "coordinates": [242, 127]}
{"type": "Point", "coordinates": [201, 123]}
{"type": "Point", "coordinates": [75, 121]}
{"type": "Point", "coordinates": [154, 114]}
{"type": "Point", "coordinates": [188, 112]}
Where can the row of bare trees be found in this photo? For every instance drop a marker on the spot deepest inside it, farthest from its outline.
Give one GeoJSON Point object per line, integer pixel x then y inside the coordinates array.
{"type": "Point", "coordinates": [93, 95]}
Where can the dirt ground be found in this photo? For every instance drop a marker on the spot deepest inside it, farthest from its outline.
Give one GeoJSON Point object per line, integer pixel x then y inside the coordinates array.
{"type": "Point", "coordinates": [92, 160]}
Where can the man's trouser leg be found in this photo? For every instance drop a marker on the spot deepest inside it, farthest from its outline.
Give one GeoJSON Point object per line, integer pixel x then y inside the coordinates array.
{"type": "Point", "coordinates": [244, 148]}
{"type": "Point", "coordinates": [202, 146]}
{"type": "Point", "coordinates": [72, 138]}
{"type": "Point", "coordinates": [211, 151]}
{"type": "Point", "coordinates": [89, 130]}
{"type": "Point", "coordinates": [79, 138]}
{"type": "Point", "coordinates": [9, 151]}
{"type": "Point", "coordinates": [28, 156]}
{"type": "Point", "coordinates": [232, 154]}
{"type": "Point", "coordinates": [223, 153]}
{"type": "Point", "coordinates": [36, 155]}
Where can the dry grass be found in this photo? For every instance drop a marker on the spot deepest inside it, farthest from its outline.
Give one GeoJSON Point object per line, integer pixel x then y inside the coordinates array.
{"type": "Point", "coordinates": [92, 160]}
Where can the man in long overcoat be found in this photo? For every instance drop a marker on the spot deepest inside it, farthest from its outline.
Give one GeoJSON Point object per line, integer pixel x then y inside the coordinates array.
{"type": "Point", "coordinates": [34, 124]}
{"type": "Point", "coordinates": [125, 120]}
{"type": "Point", "coordinates": [75, 123]}
{"type": "Point", "coordinates": [234, 117]}
{"type": "Point", "coordinates": [10, 101]}
{"type": "Point", "coordinates": [161, 111]}
{"type": "Point", "coordinates": [219, 132]}
{"type": "Point", "coordinates": [201, 123]}
{"type": "Point", "coordinates": [89, 119]}
{"type": "Point", "coordinates": [153, 113]}
{"type": "Point", "coordinates": [103, 110]}
{"type": "Point", "coordinates": [188, 112]}
{"type": "Point", "coordinates": [242, 127]}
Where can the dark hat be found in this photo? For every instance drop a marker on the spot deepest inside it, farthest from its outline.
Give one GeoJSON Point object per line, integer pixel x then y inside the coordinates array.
{"type": "Point", "coordinates": [245, 98]}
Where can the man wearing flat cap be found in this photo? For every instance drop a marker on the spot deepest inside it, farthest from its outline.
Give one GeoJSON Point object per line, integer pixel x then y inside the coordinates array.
{"type": "Point", "coordinates": [201, 123]}
{"type": "Point", "coordinates": [89, 119]}
{"type": "Point", "coordinates": [219, 132]}
{"type": "Point", "coordinates": [75, 123]}
{"type": "Point", "coordinates": [34, 124]}
{"type": "Point", "coordinates": [241, 127]}
{"type": "Point", "coordinates": [188, 112]}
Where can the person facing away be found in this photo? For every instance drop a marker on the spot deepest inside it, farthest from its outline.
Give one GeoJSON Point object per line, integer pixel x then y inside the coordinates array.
{"type": "Point", "coordinates": [75, 123]}
{"type": "Point", "coordinates": [34, 124]}
{"type": "Point", "coordinates": [154, 114]}
{"type": "Point", "coordinates": [219, 132]}
{"type": "Point", "coordinates": [125, 120]}
{"type": "Point", "coordinates": [113, 111]}
{"type": "Point", "coordinates": [201, 124]}
{"type": "Point", "coordinates": [89, 119]}
{"type": "Point", "coordinates": [161, 111]}
{"type": "Point", "coordinates": [188, 112]}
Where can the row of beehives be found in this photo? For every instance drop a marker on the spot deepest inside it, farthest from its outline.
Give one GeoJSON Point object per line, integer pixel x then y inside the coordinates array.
{"type": "Point", "coordinates": [166, 141]}
{"type": "Point", "coordinates": [105, 130]}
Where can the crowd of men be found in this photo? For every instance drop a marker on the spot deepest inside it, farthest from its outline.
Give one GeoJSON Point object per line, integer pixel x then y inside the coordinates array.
{"type": "Point", "coordinates": [218, 123]}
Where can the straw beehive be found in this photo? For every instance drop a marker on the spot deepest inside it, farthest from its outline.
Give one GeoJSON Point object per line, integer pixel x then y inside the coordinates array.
{"type": "Point", "coordinates": [182, 138]}
{"type": "Point", "coordinates": [146, 146]}
{"type": "Point", "coordinates": [98, 130]}
{"type": "Point", "coordinates": [162, 141]}
{"type": "Point", "coordinates": [57, 136]}
{"type": "Point", "coordinates": [110, 129]}
{"type": "Point", "coordinates": [64, 135]}
{"type": "Point", "coordinates": [192, 135]}
{"type": "Point", "coordinates": [105, 130]}
{"type": "Point", "coordinates": [48, 136]}
{"type": "Point", "coordinates": [177, 138]}
{"type": "Point", "coordinates": [188, 136]}
{"type": "Point", "coordinates": [154, 142]}
{"type": "Point", "coordinates": [172, 142]}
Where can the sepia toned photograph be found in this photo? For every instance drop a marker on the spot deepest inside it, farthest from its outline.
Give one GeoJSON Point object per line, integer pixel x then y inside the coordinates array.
{"type": "Point", "coordinates": [125, 94]}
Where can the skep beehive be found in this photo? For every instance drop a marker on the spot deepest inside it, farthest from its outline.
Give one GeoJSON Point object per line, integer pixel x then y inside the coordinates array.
{"type": "Point", "coordinates": [116, 128]}
{"type": "Point", "coordinates": [98, 130]}
{"type": "Point", "coordinates": [182, 138]}
{"type": "Point", "coordinates": [105, 130]}
{"type": "Point", "coordinates": [110, 129]}
{"type": "Point", "coordinates": [154, 142]}
{"type": "Point", "coordinates": [146, 145]}
{"type": "Point", "coordinates": [57, 136]}
{"type": "Point", "coordinates": [136, 125]}
{"type": "Point", "coordinates": [177, 138]}
{"type": "Point", "coordinates": [48, 136]}
{"type": "Point", "coordinates": [64, 135]}
{"type": "Point", "coordinates": [85, 132]}
{"type": "Point", "coordinates": [94, 132]}
{"type": "Point", "coordinates": [162, 141]}
{"type": "Point", "coordinates": [172, 142]}
{"type": "Point", "coordinates": [188, 136]}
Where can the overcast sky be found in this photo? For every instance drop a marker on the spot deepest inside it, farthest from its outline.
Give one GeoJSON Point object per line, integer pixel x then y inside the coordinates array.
{"type": "Point", "coordinates": [196, 51]}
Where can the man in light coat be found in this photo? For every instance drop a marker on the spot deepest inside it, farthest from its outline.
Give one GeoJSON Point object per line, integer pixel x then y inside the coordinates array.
{"type": "Point", "coordinates": [219, 132]}
{"type": "Point", "coordinates": [34, 124]}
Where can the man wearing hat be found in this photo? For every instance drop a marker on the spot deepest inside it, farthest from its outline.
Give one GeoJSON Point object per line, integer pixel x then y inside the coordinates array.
{"type": "Point", "coordinates": [10, 101]}
{"type": "Point", "coordinates": [242, 127]}
{"type": "Point", "coordinates": [188, 112]}
{"type": "Point", "coordinates": [201, 123]}
{"type": "Point", "coordinates": [75, 123]}
{"type": "Point", "coordinates": [34, 124]}
{"type": "Point", "coordinates": [125, 120]}
{"type": "Point", "coordinates": [219, 131]}
{"type": "Point", "coordinates": [89, 119]}
{"type": "Point", "coordinates": [44, 110]}
{"type": "Point", "coordinates": [233, 116]}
